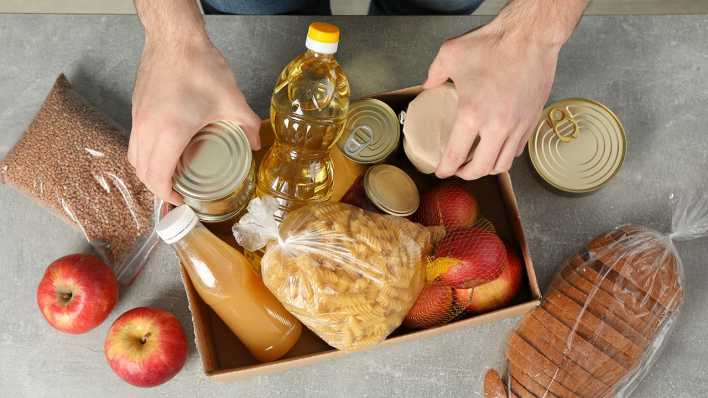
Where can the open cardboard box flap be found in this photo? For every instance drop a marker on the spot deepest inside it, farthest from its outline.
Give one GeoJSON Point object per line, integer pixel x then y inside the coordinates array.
{"type": "Point", "coordinates": [225, 358]}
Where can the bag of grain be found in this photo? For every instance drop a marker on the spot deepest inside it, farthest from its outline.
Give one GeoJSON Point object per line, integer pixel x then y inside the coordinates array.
{"type": "Point", "coordinates": [73, 160]}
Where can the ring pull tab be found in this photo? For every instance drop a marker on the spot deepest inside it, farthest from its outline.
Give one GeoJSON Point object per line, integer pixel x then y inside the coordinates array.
{"type": "Point", "coordinates": [361, 137]}
{"type": "Point", "coordinates": [556, 117]}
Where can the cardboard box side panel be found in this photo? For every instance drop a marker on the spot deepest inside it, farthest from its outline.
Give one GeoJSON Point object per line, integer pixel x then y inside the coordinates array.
{"type": "Point", "coordinates": [202, 335]}
{"type": "Point", "coordinates": [259, 369]}
{"type": "Point", "coordinates": [227, 375]}
{"type": "Point", "coordinates": [513, 211]}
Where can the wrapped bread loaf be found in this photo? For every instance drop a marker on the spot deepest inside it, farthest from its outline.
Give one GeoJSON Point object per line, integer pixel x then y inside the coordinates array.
{"type": "Point", "coordinates": [602, 321]}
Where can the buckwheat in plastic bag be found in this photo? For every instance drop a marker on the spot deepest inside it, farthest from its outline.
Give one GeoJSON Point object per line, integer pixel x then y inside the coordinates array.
{"type": "Point", "coordinates": [73, 160]}
{"type": "Point", "coordinates": [349, 275]}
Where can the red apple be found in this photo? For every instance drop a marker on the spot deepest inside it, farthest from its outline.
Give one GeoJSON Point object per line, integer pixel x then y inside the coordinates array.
{"type": "Point", "coordinates": [449, 205]}
{"type": "Point", "coordinates": [473, 257]}
{"type": "Point", "coordinates": [433, 307]}
{"type": "Point", "coordinates": [76, 293]}
{"type": "Point", "coordinates": [146, 346]}
{"type": "Point", "coordinates": [495, 294]}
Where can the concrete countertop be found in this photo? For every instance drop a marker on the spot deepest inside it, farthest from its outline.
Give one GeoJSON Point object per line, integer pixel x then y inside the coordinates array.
{"type": "Point", "coordinates": [650, 70]}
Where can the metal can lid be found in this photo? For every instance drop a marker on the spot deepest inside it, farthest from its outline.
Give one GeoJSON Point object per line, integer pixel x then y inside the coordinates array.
{"type": "Point", "coordinates": [391, 190]}
{"type": "Point", "coordinates": [214, 163]}
{"type": "Point", "coordinates": [371, 133]}
{"type": "Point", "coordinates": [579, 145]}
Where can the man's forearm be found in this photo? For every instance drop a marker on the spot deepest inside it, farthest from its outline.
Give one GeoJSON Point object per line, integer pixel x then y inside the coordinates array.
{"type": "Point", "coordinates": [170, 19]}
{"type": "Point", "coordinates": [550, 22]}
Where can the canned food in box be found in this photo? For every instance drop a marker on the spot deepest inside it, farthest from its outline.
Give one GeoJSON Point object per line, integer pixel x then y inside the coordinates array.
{"type": "Point", "coordinates": [385, 189]}
{"type": "Point", "coordinates": [372, 132]}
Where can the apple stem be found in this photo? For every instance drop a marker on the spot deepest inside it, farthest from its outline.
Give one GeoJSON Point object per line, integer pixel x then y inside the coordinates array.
{"type": "Point", "coordinates": [65, 297]}
{"type": "Point", "coordinates": [144, 339]}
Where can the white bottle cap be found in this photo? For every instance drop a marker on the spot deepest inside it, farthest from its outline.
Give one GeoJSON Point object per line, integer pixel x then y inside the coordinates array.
{"type": "Point", "coordinates": [176, 224]}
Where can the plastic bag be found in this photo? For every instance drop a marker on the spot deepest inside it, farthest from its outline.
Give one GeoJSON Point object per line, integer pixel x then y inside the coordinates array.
{"type": "Point", "coordinates": [73, 160]}
{"type": "Point", "coordinates": [349, 275]}
{"type": "Point", "coordinates": [608, 312]}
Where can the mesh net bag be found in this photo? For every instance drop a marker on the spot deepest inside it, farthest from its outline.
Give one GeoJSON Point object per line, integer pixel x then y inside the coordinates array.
{"type": "Point", "coordinates": [347, 274]}
{"type": "Point", "coordinates": [607, 313]}
{"type": "Point", "coordinates": [466, 263]}
{"type": "Point", "coordinates": [73, 160]}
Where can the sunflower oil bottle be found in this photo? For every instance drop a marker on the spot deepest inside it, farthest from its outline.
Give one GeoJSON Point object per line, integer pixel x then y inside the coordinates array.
{"type": "Point", "coordinates": [307, 112]}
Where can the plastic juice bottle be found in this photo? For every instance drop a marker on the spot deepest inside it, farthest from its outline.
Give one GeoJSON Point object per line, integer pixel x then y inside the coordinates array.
{"type": "Point", "coordinates": [229, 285]}
{"type": "Point", "coordinates": [307, 112]}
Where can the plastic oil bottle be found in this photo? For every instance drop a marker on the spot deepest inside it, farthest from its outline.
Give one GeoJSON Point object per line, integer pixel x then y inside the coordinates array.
{"type": "Point", "coordinates": [227, 282]}
{"type": "Point", "coordinates": [307, 112]}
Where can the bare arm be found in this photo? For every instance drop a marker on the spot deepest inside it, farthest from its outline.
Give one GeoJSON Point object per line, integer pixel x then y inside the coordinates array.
{"type": "Point", "coordinates": [503, 73]}
{"type": "Point", "coordinates": [183, 83]}
{"type": "Point", "coordinates": [550, 22]}
{"type": "Point", "coordinates": [170, 21]}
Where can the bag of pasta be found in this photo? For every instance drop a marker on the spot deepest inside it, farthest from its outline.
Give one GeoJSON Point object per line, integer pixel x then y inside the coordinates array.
{"type": "Point", "coordinates": [349, 275]}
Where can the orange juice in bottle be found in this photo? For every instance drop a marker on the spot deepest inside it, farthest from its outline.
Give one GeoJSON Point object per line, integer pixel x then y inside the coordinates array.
{"type": "Point", "coordinates": [308, 110]}
{"type": "Point", "coordinates": [226, 281]}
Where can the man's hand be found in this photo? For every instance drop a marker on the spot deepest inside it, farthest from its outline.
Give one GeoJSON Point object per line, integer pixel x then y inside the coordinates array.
{"type": "Point", "coordinates": [182, 84]}
{"type": "Point", "coordinates": [503, 73]}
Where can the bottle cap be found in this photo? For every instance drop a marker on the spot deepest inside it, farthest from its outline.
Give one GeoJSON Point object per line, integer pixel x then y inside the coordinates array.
{"type": "Point", "coordinates": [176, 224]}
{"type": "Point", "coordinates": [322, 37]}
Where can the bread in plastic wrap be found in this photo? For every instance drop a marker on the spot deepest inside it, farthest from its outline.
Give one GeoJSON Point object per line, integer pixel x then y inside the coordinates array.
{"type": "Point", "coordinates": [607, 313]}
{"type": "Point", "coordinates": [349, 275]}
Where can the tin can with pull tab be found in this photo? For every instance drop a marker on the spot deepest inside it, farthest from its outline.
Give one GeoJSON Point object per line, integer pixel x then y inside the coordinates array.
{"type": "Point", "coordinates": [372, 132]}
{"type": "Point", "coordinates": [578, 145]}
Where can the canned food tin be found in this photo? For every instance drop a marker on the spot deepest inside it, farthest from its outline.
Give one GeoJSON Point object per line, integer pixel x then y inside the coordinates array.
{"type": "Point", "coordinates": [371, 133]}
{"type": "Point", "coordinates": [216, 173]}
{"type": "Point", "coordinates": [578, 145]}
{"type": "Point", "coordinates": [385, 189]}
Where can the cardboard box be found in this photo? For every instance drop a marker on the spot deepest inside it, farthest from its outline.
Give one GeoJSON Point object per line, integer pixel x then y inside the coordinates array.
{"type": "Point", "coordinates": [225, 358]}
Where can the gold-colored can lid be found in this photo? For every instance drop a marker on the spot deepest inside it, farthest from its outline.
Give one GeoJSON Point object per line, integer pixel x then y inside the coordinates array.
{"type": "Point", "coordinates": [215, 163]}
{"type": "Point", "coordinates": [371, 133]}
{"type": "Point", "coordinates": [391, 190]}
{"type": "Point", "coordinates": [578, 145]}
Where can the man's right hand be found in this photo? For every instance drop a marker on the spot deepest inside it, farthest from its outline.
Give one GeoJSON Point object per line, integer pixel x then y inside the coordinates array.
{"type": "Point", "coordinates": [181, 85]}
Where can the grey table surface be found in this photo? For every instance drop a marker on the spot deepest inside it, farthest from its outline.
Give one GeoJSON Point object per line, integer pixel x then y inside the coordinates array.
{"type": "Point", "coordinates": [650, 70]}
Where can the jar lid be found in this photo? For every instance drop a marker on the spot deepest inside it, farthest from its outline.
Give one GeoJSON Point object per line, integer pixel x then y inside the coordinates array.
{"type": "Point", "coordinates": [391, 190]}
{"type": "Point", "coordinates": [371, 133]}
{"type": "Point", "coordinates": [578, 145]}
{"type": "Point", "coordinates": [214, 163]}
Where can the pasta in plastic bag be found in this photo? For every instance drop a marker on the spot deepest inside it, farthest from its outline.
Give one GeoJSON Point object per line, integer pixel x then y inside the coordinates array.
{"type": "Point", "coordinates": [347, 274]}
{"type": "Point", "coordinates": [607, 313]}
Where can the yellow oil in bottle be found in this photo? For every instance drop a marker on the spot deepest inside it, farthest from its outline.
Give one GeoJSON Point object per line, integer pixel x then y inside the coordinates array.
{"type": "Point", "coordinates": [308, 110]}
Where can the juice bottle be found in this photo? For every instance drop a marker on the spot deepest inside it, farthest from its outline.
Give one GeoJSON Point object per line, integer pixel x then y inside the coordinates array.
{"type": "Point", "coordinates": [229, 285]}
{"type": "Point", "coordinates": [307, 112]}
